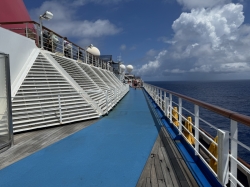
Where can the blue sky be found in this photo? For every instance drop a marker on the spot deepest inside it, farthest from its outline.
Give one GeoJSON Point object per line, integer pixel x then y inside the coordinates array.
{"type": "Point", "coordinates": [164, 39]}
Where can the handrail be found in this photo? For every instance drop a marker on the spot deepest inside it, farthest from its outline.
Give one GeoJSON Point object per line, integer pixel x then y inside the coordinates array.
{"type": "Point", "coordinates": [23, 22]}
{"type": "Point", "coordinates": [110, 68]}
{"type": "Point", "coordinates": [219, 110]}
{"type": "Point", "coordinates": [227, 145]}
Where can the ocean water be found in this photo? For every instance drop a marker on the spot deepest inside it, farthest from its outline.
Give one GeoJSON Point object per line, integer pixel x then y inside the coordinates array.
{"type": "Point", "coordinates": [231, 95]}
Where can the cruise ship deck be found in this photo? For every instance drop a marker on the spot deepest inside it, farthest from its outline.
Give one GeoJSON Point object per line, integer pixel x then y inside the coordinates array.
{"type": "Point", "coordinates": [128, 147]}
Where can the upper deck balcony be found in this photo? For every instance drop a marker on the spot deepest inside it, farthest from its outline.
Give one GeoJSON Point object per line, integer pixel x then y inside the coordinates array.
{"type": "Point", "coordinates": [53, 42]}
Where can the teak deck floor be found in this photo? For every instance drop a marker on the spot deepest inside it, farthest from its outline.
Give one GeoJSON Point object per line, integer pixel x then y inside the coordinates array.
{"type": "Point", "coordinates": [165, 167]}
{"type": "Point", "coordinates": [158, 171]}
{"type": "Point", "coordinates": [30, 142]}
{"type": "Point", "coordinates": [107, 162]}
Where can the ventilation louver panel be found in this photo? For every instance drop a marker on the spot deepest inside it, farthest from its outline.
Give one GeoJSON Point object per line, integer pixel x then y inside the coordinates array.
{"type": "Point", "coordinates": [36, 103]}
{"type": "Point", "coordinates": [107, 80]}
{"type": "Point", "coordinates": [115, 78]}
{"type": "Point", "coordinates": [97, 79]}
{"type": "Point", "coordinates": [107, 74]}
{"type": "Point", "coordinates": [98, 71]}
{"type": "Point", "coordinates": [83, 80]}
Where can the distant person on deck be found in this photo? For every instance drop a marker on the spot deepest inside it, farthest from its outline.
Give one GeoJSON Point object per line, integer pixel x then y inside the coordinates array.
{"type": "Point", "coordinates": [46, 38]}
{"type": "Point", "coordinates": [67, 48]}
{"type": "Point", "coordinates": [53, 42]}
{"type": "Point", "coordinates": [135, 84]}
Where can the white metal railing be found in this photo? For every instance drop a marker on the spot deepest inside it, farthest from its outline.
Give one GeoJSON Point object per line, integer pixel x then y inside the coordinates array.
{"type": "Point", "coordinates": [228, 142]}
{"type": "Point", "coordinates": [53, 42]}
{"type": "Point", "coordinates": [110, 101]}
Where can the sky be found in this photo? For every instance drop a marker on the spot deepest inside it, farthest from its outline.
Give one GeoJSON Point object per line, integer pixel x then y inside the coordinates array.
{"type": "Point", "coordinates": [164, 40]}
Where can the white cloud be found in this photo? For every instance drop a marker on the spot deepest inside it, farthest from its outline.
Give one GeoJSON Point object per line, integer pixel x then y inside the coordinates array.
{"type": "Point", "coordinates": [65, 23]}
{"type": "Point", "coordinates": [202, 68]}
{"type": "Point", "coordinates": [232, 67]}
{"type": "Point", "coordinates": [174, 71]}
{"type": "Point", "coordinates": [190, 4]}
{"type": "Point", "coordinates": [212, 40]}
{"type": "Point", "coordinates": [151, 66]}
{"type": "Point", "coordinates": [166, 40]}
{"type": "Point", "coordinates": [123, 47]}
{"type": "Point", "coordinates": [151, 52]}
{"type": "Point", "coordinates": [208, 25]}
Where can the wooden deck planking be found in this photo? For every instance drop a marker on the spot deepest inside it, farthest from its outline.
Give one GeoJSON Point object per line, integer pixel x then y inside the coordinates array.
{"type": "Point", "coordinates": [26, 143]}
{"type": "Point", "coordinates": [165, 166]}
{"type": "Point", "coordinates": [152, 175]}
{"type": "Point", "coordinates": [184, 176]}
{"type": "Point", "coordinates": [166, 172]}
{"type": "Point", "coordinates": [158, 168]}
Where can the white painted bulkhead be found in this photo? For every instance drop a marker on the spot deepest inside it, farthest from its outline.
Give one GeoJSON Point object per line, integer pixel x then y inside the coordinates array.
{"type": "Point", "coordinates": [32, 69]}
{"type": "Point", "coordinates": [22, 52]}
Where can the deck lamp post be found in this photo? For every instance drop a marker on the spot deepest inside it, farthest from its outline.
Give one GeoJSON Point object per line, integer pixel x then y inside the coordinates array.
{"type": "Point", "coordinates": [47, 16]}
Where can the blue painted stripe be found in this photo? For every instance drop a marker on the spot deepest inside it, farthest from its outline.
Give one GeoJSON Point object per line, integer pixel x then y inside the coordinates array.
{"type": "Point", "coordinates": [111, 152]}
{"type": "Point", "coordinates": [197, 173]}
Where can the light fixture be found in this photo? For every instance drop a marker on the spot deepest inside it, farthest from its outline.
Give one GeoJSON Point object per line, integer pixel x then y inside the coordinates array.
{"type": "Point", "coordinates": [47, 16]}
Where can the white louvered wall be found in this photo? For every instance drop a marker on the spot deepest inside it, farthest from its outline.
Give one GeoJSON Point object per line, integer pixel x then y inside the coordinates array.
{"type": "Point", "coordinates": [83, 80]}
{"type": "Point", "coordinates": [36, 103]}
{"type": "Point", "coordinates": [98, 80]}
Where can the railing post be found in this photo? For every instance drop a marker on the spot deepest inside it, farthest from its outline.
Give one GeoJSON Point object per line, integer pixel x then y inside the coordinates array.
{"type": "Point", "coordinates": [223, 158]}
{"type": "Point", "coordinates": [166, 104]}
{"type": "Point", "coordinates": [113, 99]}
{"type": "Point", "coordinates": [63, 47]}
{"type": "Point", "coordinates": [155, 94]}
{"type": "Point", "coordinates": [115, 96]}
{"type": "Point", "coordinates": [180, 116]}
{"type": "Point", "coordinates": [160, 105]}
{"type": "Point", "coordinates": [107, 105]}
{"type": "Point", "coordinates": [37, 35]}
{"type": "Point", "coordinates": [171, 107]}
{"type": "Point", "coordinates": [158, 97]}
{"type": "Point", "coordinates": [86, 57]}
{"type": "Point", "coordinates": [234, 150]}
{"type": "Point", "coordinates": [60, 109]}
{"type": "Point", "coordinates": [52, 45]}
{"type": "Point", "coordinates": [161, 99]}
{"type": "Point", "coordinates": [196, 123]}
{"type": "Point", "coordinates": [41, 33]}
{"type": "Point", "coordinates": [154, 90]}
{"type": "Point", "coordinates": [26, 30]}
{"type": "Point", "coordinates": [71, 51]}
{"type": "Point", "coordinates": [78, 54]}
